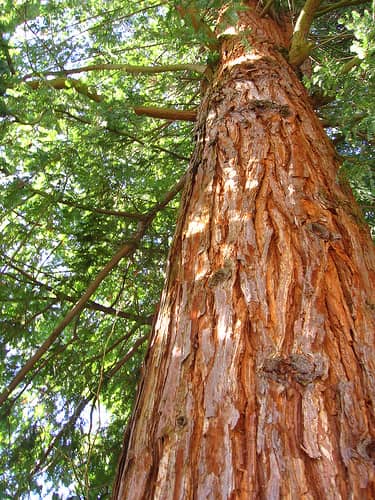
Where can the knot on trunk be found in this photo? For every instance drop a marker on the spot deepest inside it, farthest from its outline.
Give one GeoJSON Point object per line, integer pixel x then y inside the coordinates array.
{"type": "Point", "coordinates": [366, 449]}
{"type": "Point", "coordinates": [301, 368]}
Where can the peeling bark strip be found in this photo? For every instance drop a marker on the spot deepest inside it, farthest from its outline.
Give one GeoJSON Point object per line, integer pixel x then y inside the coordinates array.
{"type": "Point", "coordinates": [259, 381]}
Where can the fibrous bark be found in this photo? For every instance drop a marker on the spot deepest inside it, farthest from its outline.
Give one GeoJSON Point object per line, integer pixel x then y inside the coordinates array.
{"type": "Point", "coordinates": [259, 380]}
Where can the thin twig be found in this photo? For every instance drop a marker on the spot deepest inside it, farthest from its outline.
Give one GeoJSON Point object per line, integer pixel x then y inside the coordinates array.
{"type": "Point", "coordinates": [125, 251]}
{"type": "Point", "coordinates": [338, 5]}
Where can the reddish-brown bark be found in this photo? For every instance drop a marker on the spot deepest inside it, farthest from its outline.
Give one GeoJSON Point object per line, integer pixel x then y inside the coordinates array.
{"type": "Point", "coordinates": [259, 380]}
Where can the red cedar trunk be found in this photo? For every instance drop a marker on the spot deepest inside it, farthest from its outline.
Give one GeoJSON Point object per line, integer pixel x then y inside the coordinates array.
{"type": "Point", "coordinates": [259, 381]}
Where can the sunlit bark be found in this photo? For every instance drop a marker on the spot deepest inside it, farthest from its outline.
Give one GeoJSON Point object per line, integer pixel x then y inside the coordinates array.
{"type": "Point", "coordinates": [259, 381]}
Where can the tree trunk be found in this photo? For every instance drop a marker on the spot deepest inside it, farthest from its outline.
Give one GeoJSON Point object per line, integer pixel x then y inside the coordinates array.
{"type": "Point", "coordinates": [259, 381]}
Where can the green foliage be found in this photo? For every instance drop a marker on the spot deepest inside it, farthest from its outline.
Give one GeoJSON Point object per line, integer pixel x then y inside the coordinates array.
{"type": "Point", "coordinates": [344, 69]}
{"type": "Point", "coordinates": [77, 177]}
{"type": "Point", "coordinates": [66, 161]}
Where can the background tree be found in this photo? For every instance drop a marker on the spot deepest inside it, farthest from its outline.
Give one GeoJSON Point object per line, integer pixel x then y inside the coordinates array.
{"type": "Point", "coordinates": [89, 203]}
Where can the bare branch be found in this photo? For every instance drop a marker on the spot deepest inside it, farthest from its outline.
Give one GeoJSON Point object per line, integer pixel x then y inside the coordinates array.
{"type": "Point", "coordinates": [167, 113]}
{"type": "Point", "coordinates": [63, 83]}
{"type": "Point", "coordinates": [318, 100]}
{"type": "Point", "coordinates": [124, 251]}
{"type": "Point", "coordinates": [83, 403]}
{"type": "Point", "coordinates": [121, 314]}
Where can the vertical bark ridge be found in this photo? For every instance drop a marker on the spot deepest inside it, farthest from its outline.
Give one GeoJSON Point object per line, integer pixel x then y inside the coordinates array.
{"type": "Point", "coordinates": [260, 374]}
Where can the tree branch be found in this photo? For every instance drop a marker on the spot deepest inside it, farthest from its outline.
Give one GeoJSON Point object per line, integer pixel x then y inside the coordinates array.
{"type": "Point", "coordinates": [129, 136]}
{"type": "Point", "coordinates": [121, 340]}
{"type": "Point", "coordinates": [116, 213]}
{"type": "Point", "coordinates": [127, 356]}
{"type": "Point", "coordinates": [125, 251]}
{"type": "Point", "coordinates": [66, 427]}
{"type": "Point", "coordinates": [144, 143]}
{"type": "Point", "coordinates": [191, 13]}
{"type": "Point", "coordinates": [4, 46]}
{"type": "Point", "coordinates": [121, 314]}
{"type": "Point", "coordinates": [93, 306]}
{"type": "Point", "coordinates": [300, 47]}
{"type": "Point", "coordinates": [338, 5]}
{"type": "Point", "coordinates": [266, 8]}
{"type": "Point", "coordinates": [352, 63]}
{"type": "Point", "coordinates": [167, 113]}
{"type": "Point", "coordinates": [77, 412]}
{"type": "Point", "coordinates": [126, 68]}
{"type": "Point", "coordinates": [318, 100]}
{"type": "Point", "coordinates": [63, 83]}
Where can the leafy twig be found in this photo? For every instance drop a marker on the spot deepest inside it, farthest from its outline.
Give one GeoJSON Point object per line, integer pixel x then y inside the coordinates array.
{"type": "Point", "coordinates": [104, 211]}
{"type": "Point", "coordinates": [129, 136]}
{"type": "Point", "coordinates": [94, 306]}
{"type": "Point", "coordinates": [125, 251]}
